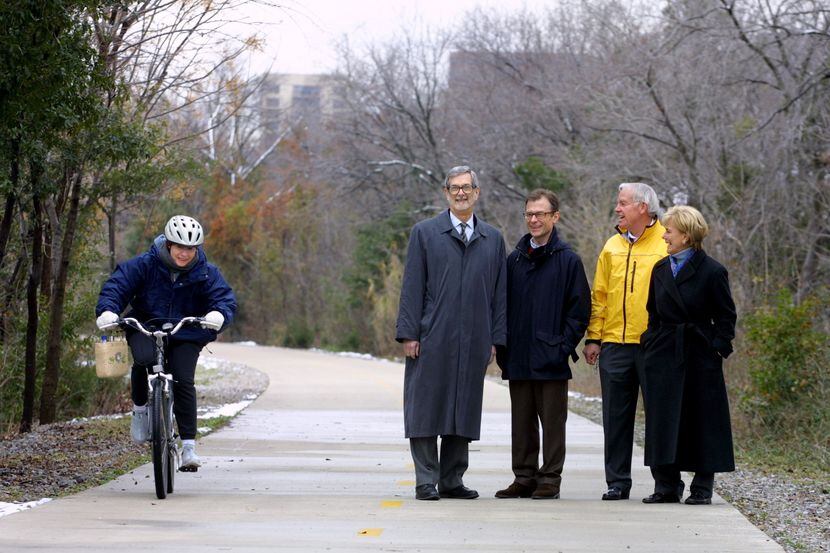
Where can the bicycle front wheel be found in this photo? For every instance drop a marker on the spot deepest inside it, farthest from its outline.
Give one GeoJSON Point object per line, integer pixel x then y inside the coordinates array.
{"type": "Point", "coordinates": [173, 454]}
{"type": "Point", "coordinates": [161, 453]}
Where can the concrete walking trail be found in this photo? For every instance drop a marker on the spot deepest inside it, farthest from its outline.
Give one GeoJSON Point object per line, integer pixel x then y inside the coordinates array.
{"type": "Point", "coordinates": [318, 463]}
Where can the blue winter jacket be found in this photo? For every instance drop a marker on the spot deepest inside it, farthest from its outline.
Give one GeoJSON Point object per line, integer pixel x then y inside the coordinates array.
{"type": "Point", "coordinates": [144, 283]}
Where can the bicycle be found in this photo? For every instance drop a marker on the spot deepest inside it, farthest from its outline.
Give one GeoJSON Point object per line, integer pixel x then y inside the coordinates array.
{"type": "Point", "coordinates": [163, 436]}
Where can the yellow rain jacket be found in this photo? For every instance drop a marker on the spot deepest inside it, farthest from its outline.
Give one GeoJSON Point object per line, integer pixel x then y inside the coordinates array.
{"type": "Point", "coordinates": [620, 290]}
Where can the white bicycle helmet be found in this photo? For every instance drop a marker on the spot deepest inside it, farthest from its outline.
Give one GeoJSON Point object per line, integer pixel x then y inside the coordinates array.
{"type": "Point", "coordinates": [184, 230]}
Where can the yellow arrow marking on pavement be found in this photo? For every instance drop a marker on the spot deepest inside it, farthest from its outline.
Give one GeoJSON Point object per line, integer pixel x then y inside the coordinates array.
{"type": "Point", "coordinates": [406, 482]}
{"type": "Point", "coordinates": [371, 532]}
{"type": "Point", "coordinates": [390, 504]}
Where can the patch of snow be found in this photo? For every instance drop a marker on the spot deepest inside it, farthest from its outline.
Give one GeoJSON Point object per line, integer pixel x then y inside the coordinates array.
{"type": "Point", "coordinates": [210, 362]}
{"type": "Point", "coordinates": [248, 343]}
{"type": "Point", "coordinates": [352, 355]}
{"type": "Point", "coordinates": [583, 397]}
{"type": "Point", "coordinates": [11, 508]}
{"type": "Point", "coordinates": [227, 410]}
{"type": "Point", "coordinates": [99, 417]}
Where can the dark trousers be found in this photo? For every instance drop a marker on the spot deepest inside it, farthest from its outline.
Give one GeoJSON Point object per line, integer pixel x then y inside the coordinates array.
{"type": "Point", "coordinates": [448, 470]}
{"type": "Point", "coordinates": [533, 402]}
{"type": "Point", "coordinates": [181, 361]}
{"type": "Point", "coordinates": [667, 480]}
{"type": "Point", "coordinates": [620, 374]}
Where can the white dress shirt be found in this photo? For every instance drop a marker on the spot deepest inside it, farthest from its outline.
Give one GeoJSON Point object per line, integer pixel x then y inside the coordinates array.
{"type": "Point", "coordinates": [468, 226]}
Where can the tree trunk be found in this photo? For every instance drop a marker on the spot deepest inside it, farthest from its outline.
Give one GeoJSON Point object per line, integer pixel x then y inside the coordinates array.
{"type": "Point", "coordinates": [46, 260]}
{"type": "Point", "coordinates": [8, 210]}
{"type": "Point", "coordinates": [807, 276]}
{"type": "Point", "coordinates": [32, 298]}
{"type": "Point", "coordinates": [10, 296]}
{"type": "Point", "coordinates": [51, 375]}
{"type": "Point", "coordinates": [111, 215]}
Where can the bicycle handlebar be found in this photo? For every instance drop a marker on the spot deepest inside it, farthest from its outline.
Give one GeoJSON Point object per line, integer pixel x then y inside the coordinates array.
{"type": "Point", "coordinates": [134, 323]}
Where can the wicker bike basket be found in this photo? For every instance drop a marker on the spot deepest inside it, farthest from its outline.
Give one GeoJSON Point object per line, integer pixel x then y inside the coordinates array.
{"type": "Point", "coordinates": [112, 357]}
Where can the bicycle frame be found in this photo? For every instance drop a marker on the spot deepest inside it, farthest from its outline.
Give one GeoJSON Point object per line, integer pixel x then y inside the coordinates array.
{"type": "Point", "coordinates": [167, 330]}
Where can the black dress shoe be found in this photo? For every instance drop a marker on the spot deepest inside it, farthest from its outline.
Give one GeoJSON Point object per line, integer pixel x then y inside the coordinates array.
{"type": "Point", "coordinates": [615, 494]}
{"type": "Point", "coordinates": [658, 497]}
{"type": "Point", "coordinates": [426, 492]}
{"type": "Point", "coordinates": [461, 492]}
{"type": "Point", "coordinates": [698, 499]}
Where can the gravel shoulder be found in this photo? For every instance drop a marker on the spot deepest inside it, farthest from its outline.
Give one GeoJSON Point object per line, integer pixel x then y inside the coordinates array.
{"type": "Point", "coordinates": [67, 457]}
{"type": "Point", "coordinates": [792, 510]}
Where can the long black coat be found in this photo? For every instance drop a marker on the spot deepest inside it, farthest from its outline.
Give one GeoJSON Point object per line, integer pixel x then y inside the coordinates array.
{"type": "Point", "coordinates": [453, 302]}
{"type": "Point", "coordinates": [691, 324]}
{"type": "Point", "coordinates": [548, 307]}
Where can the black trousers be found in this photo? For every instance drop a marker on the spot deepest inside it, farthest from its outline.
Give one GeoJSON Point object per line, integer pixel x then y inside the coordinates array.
{"type": "Point", "coordinates": [181, 360]}
{"type": "Point", "coordinates": [667, 480]}
{"type": "Point", "coordinates": [620, 374]}
{"type": "Point", "coordinates": [448, 470]}
{"type": "Point", "coordinates": [533, 402]}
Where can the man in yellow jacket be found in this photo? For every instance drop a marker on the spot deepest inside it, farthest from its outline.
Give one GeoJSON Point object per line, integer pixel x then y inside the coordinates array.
{"type": "Point", "coordinates": [618, 317]}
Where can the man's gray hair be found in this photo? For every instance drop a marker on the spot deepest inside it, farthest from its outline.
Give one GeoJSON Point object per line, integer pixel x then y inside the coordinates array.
{"type": "Point", "coordinates": [460, 170]}
{"type": "Point", "coordinates": [643, 193]}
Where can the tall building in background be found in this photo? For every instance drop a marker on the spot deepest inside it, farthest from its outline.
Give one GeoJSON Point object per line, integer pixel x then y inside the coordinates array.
{"type": "Point", "coordinates": [304, 101]}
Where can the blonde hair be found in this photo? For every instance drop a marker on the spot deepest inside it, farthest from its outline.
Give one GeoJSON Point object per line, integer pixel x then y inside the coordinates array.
{"type": "Point", "coordinates": [689, 221]}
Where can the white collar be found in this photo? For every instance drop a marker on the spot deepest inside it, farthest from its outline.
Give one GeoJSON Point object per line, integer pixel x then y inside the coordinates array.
{"type": "Point", "coordinates": [456, 221]}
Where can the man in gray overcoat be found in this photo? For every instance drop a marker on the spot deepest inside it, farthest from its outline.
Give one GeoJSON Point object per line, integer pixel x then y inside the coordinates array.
{"type": "Point", "coordinates": [451, 317]}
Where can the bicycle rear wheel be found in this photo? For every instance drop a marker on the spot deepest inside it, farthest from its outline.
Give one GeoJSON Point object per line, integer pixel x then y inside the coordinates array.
{"type": "Point", "coordinates": [161, 453]}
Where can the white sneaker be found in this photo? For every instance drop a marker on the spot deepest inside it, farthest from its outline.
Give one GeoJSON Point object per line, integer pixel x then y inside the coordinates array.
{"type": "Point", "coordinates": [189, 457]}
{"type": "Point", "coordinates": [140, 426]}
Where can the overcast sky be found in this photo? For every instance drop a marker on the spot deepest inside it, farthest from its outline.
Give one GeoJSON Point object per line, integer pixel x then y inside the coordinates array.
{"type": "Point", "coordinates": [300, 36]}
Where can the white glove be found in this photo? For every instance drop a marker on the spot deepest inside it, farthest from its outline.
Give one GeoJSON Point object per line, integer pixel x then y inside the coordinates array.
{"type": "Point", "coordinates": [213, 320]}
{"type": "Point", "coordinates": [106, 320]}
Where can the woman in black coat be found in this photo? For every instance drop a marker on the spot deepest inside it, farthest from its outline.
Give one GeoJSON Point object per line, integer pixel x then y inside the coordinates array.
{"type": "Point", "coordinates": [691, 324]}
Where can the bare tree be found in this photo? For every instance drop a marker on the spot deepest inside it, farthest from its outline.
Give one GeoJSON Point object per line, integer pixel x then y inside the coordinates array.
{"type": "Point", "coordinates": [391, 124]}
{"type": "Point", "coordinates": [151, 50]}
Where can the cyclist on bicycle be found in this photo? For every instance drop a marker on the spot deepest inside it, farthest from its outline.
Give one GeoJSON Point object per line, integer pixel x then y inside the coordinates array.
{"type": "Point", "coordinates": [171, 281]}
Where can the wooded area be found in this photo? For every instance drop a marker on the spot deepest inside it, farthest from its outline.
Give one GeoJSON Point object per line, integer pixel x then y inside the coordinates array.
{"type": "Point", "coordinates": [722, 104]}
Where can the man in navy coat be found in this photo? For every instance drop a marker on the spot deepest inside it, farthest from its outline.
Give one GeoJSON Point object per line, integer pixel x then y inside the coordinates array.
{"type": "Point", "coordinates": [548, 307]}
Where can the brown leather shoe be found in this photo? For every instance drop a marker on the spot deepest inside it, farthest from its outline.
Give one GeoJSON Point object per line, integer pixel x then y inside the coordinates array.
{"type": "Point", "coordinates": [546, 491]}
{"type": "Point", "coordinates": [515, 490]}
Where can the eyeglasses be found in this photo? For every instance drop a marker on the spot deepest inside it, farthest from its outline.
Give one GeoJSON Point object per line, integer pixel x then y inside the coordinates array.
{"type": "Point", "coordinates": [538, 214]}
{"type": "Point", "coordinates": [455, 189]}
